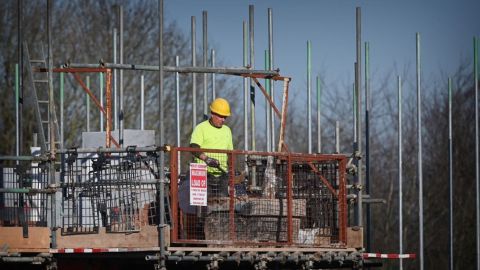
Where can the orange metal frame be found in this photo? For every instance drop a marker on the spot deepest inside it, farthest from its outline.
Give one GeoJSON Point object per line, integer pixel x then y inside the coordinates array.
{"type": "Point", "coordinates": [340, 194]}
{"type": "Point", "coordinates": [107, 111]}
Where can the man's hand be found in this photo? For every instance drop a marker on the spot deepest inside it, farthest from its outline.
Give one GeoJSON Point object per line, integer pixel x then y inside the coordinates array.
{"type": "Point", "coordinates": [212, 162]}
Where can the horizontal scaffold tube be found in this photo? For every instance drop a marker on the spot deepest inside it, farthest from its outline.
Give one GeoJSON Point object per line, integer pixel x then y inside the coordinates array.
{"type": "Point", "coordinates": [23, 259]}
{"type": "Point", "coordinates": [86, 150]}
{"type": "Point", "coordinates": [112, 150]}
{"type": "Point", "coordinates": [27, 190]}
{"type": "Point", "coordinates": [221, 70]}
{"type": "Point", "coordinates": [280, 257]}
{"type": "Point", "coordinates": [25, 158]}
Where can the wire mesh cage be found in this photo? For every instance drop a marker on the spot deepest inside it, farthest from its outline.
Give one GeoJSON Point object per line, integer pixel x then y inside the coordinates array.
{"type": "Point", "coordinates": [317, 183]}
{"type": "Point", "coordinates": [116, 191]}
{"type": "Point", "coordinates": [22, 201]}
{"type": "Point", "coordinates": [258, 198]}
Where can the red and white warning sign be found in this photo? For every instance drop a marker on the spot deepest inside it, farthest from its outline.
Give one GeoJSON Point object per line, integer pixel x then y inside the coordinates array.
{"type": "Point", "coordinates": [198, 184]}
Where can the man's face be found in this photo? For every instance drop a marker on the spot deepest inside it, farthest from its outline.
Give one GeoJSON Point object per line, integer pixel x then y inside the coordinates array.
{"type": "Point", "coordinates": [218, 120]}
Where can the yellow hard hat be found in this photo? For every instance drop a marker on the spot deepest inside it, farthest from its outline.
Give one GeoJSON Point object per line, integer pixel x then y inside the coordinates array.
{"type": "Point", "coordinates": [220, 106]}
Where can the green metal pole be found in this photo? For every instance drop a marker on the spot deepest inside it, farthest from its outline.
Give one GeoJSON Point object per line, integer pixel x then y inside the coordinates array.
{"type": "Point", "coordinates": [319, 115]}
{"type": "Point", "coordinates": [450, 172]}
{"type": "Point", "coordinates": [245, 87]}
{"type": "Point", "coordinates": [477, 173]}
{"type": "Point", "coordinates": [400, 172]}
{"type": "Point", "coordinates": [309, 95]}
{"type": "Point", "coordinates": [354, 107]}
{"type": "Point", "coordinates": [267, 106]}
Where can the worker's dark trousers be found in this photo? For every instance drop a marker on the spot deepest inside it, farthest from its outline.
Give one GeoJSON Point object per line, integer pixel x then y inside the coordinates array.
{"type": "Point", "coordinates": [217, 186]}
{"type": "Point", "coordinates": [193, 216]}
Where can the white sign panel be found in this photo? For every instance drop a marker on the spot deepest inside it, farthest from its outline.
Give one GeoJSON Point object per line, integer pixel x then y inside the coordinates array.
{"type": "Point", "coordinates": [198, 184]}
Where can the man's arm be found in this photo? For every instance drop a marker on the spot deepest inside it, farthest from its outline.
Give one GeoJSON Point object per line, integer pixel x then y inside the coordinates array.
{"type": "Point", "coordinates": [199, 155]}
{"type": "Point", "coordinates": [208, 160]}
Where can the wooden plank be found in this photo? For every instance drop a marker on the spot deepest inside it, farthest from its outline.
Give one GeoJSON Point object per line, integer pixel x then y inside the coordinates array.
{"type": "Point", "coordinates": [11, 239]}
{"type": "Point", "coordinates": [355, 237]}
{"type": "Point", "coordinates": [147, 237]}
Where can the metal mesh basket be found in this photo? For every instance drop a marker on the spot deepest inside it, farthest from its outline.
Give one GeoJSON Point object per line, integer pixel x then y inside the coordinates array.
{"type": "Point", "coordinates": [22, 201]}
{"type": "Point", "coordinates": [115, 191]}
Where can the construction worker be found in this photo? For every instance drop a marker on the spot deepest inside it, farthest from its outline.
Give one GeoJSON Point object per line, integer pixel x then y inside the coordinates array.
{"type": "Point", "coordinates": [210, 134]}
{"type": "Point", "coordinates": [214, 134]}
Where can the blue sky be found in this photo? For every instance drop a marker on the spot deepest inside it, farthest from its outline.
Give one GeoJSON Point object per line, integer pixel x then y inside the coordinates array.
{"type": "Point", "coordinates": [446, 27]}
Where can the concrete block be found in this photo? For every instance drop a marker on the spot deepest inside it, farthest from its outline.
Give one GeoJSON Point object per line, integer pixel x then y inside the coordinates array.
{"type": "Point", "coordinates": [140, 138]}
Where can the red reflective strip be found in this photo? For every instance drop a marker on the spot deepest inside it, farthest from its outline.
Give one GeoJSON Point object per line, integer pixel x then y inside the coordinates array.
{"type": "Point", "coordinates": [388, 256]}
{"type": "Point", "coordinates": [99, 250]}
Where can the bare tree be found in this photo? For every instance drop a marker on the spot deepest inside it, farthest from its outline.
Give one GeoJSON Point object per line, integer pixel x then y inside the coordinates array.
{"type": "Point", "coordinates": [82, 33]}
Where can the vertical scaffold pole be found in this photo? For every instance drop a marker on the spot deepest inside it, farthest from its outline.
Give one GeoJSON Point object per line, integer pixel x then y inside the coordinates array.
{"type": "Point", "coordinates": [17, 101]}
{"type": "Point", "coordinates": [400, 171]}
{"type": "Point", "coordinates": [205, 63]}
{"type": "Point", "coordinates": [214, 94]}
{"type": "Point", "coordinates": [122, 116]}
{"type": "Point", "coordinates": [252, 66]}
{"type": "Point", "coordinates": [337, 137]}
{"type": "Point", "coordinates": [319, 115]}
{"type": "Point", "coordinates": [245, 97]}
{"type": "Point", "coordinates": [355, 141]}
{"type": "Point", "coordinates": [309, 95]}
{"type": "Point", "coordinates": [419, 141]}
{"type": "Point", "coordinates": [19, 98]}
{"type": "Point", "coordinates": [87, 101]}
{"type": "Point", "coordinates": [267, 106]}
{"type": "Point", "coordinates": [62, 105]}
{"type": "Point", "coordinates": [142, 102]}
{"type": "Point", "coordinates": [51, 103]}
{"type": "Point", "coordinates": [194, 75]}
{"type": "Point", "coordinates": [358, 87]}
{"type": "Point", "coordinates": [245, 87]}
{"type": "Point", "coordinates": [161, 180]}
{"type": "Point", "coordinates": [354, 109]}
{"type": "Point", "coordinates": [115, 98]}
{"type": "Point", "coordinates": [367, 145]}
{"type": "Point", "coordinates": [271, 82]}
{"type": "Point", "coordinates": [177, 106]}
{"type": "Point", "coordinates": [477, 158]}
{"type": "Point", "coordinates": [51, 111]}
{"type": "Point", "coordinates": [101, 100]}
{"type": "Point", "coordinates": [450, 171]}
